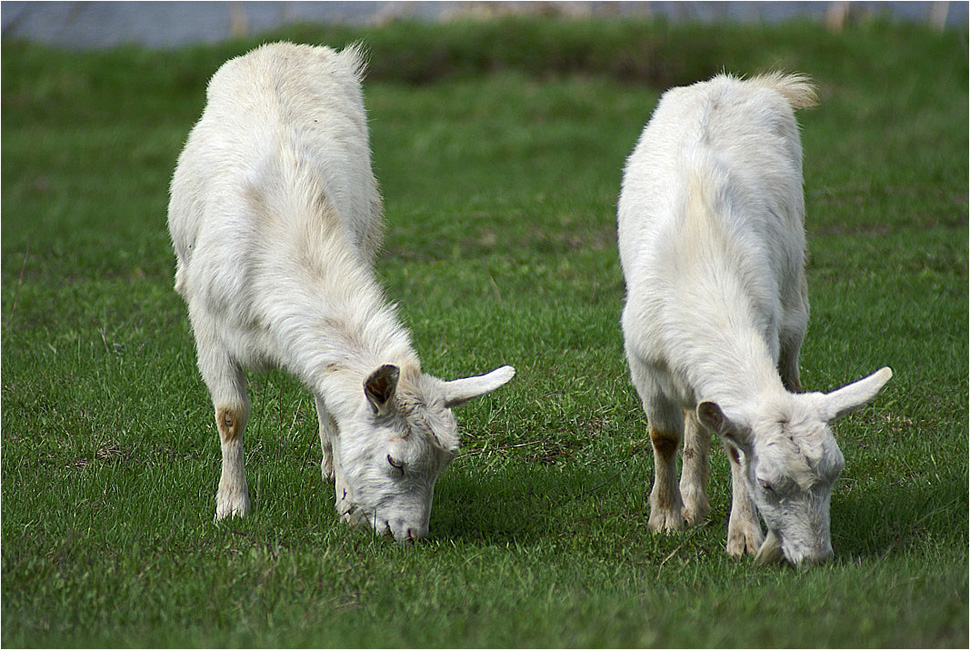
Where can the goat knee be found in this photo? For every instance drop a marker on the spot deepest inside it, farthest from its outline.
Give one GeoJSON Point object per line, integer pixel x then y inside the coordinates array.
{"type": "Point", "coordinates": [231, 422]}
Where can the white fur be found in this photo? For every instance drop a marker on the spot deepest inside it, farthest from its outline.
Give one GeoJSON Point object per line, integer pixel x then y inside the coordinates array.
{"type": "Point", "coordinates": [276, 218]}
{"type": "Point", "coordinates": [712, 246]}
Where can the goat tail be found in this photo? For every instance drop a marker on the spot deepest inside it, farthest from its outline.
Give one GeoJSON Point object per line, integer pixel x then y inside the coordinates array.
{"type": "Point", "coordinates": [798, 89]}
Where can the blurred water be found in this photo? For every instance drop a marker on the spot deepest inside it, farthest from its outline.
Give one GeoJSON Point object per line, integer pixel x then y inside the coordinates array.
{"type": "Point", "coordinates": [78, 25]}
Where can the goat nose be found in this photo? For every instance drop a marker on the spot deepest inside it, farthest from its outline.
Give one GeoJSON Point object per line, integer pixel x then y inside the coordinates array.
{"type": "Point", "coordinates": [412, 535]}
{"type": "Point", "coordinates": [816, 558]}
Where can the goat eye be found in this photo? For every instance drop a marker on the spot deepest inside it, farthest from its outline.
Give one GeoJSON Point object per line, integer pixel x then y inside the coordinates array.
{"type": "Point", "coordinates": [766, 486]}
{"type": "Point", "coordinates": [395, 464]}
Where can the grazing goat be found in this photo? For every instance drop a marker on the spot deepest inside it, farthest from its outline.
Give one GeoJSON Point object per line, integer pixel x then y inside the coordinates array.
{"type": "Point", "coordinates": [712, 244]}
{"type": "Point", "coordinates": [276, 219]}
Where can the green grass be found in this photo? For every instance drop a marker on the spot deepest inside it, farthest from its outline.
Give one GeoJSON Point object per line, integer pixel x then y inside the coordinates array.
{"type": "Point", "coordinates": [499, 147]}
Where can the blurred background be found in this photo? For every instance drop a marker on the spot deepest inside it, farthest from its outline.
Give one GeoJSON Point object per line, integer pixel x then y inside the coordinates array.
{"type": "Point", "coordinates": [84, 25]}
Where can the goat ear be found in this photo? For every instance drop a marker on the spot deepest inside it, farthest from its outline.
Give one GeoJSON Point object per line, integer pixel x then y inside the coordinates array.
{"type": "Point", "coordinates": [380, 388]}
{"type": "Point", "coordinates": [711, 416]}
{"type": "Point", "coordinates": [459, 391]}
{"type": "Point", "coordinates": [849, 398]}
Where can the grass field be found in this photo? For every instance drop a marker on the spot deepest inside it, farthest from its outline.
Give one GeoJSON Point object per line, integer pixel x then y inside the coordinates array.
{"type": "Point", "coordinates": [499, 147]}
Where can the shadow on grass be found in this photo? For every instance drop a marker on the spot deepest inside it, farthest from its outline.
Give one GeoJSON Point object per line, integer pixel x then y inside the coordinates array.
{"type": "Point", "coordinates": [525, 505]}
{"type": "Point", "coordinates": [535, 504]}
{"type": "Point", "coordinates": [902, 518]}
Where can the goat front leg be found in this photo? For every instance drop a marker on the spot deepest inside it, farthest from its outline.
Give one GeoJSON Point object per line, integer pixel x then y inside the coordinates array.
{"type": "Point", "coordinates": [666, 426]}
{"type": "Point", "coordinates": [227, 387]}
{"type": "Point", "coordinates": [665, 501]}
{"type": "Point", "coordinates": [744, 531]}
{"type": "Point", "coordinates": [694, 472]}
{"type": "Point", "coordinates": [330, 467]}
{"type": "Point", "coordinates": [232, 498]}
{"type": "Point", "coordinates": [328, 431]}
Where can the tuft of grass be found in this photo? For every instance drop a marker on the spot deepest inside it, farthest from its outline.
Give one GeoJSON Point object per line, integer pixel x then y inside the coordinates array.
{"type": "Point", "coordinates": [499, 147]}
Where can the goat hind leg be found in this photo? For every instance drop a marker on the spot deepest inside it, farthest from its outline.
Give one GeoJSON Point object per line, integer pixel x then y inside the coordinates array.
{"type": "Point", "coordinates": [790, 340]}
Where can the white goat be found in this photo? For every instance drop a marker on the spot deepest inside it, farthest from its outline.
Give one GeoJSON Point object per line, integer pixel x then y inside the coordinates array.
{"type": "Point", "coordinates": [276, 218]}
{"type": "Point", "coordinates": [712, 246]}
